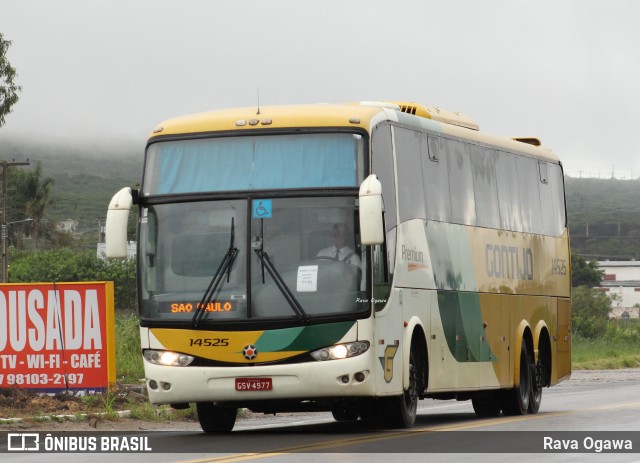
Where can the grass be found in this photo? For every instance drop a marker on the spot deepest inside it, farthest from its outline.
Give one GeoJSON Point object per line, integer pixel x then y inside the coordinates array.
{"type": "Point", "coordinates": [605, 353]}
{"type": "Point", "coordinates": [129, 369]}
{"type": "Point", "coordinates": [148, 412]}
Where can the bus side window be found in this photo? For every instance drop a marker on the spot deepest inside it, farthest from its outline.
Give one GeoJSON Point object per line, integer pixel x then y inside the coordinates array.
{"type": "Point", "coordinates": [529, 193]}
{"type": "Point", "coordinates": [382, 163]}
{"type": "Point", "coordinates": [382, 166]}
{"type": "Point", "coordinates": [463, 203]}
{"type": "Point", "coordinates": [556, 181]}
{"type": "Point", "coordinates": [411, 197]}
{"type": "Point", "coordinates": [436, 178]}
{"type": "Point", "coordinates": [381, 279]}
{"type": "Point", "coordinates": [485, 187]}
{"type": "Point", "coordinates": [508, 198]}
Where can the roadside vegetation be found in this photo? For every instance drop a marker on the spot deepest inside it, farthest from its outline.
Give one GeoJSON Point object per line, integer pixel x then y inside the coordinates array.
{"type": "Point", "coordinates": [599, 343]}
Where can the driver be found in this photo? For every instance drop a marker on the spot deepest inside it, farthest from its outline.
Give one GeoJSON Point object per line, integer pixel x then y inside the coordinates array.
{"type": "Point", "coordinates": [339, 251]}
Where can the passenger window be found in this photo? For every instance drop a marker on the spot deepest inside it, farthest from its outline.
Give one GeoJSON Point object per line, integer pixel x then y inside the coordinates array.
{"type": "Point", "coordinates": [410, 189]}
{"type": "Point", "coordinates": [382, 161]}
{"type": "Point", "coordinates": [484, 186]}
{"type": "Point", "coordinates": [463, 207]}
{"type": "Point", "coordinates": [556, 180]}
{"type": "Point", "coordinates": [381, 278]}
{"type": "Point", "coordinates": [508, 199]}
{"type": "Point", "coordinates": [529, 193]}
{"type": "Point", "coordinates": [436, 178]}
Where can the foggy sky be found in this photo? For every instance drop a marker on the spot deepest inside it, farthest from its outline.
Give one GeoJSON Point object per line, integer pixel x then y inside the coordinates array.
{"type": "Point", "coordinates": [566, 71]}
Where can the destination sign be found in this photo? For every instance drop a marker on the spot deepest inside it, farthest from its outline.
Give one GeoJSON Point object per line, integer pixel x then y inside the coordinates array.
{"type": "Point", "coordinates": [213, 306]}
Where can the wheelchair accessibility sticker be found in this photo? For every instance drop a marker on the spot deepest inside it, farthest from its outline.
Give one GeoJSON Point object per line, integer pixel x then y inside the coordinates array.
{"type": "Point", "coordinates": [262, 209]}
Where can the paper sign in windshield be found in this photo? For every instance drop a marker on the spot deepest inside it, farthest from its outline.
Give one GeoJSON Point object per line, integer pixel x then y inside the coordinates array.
{"type": "Point", "coordinates": [307, 279]}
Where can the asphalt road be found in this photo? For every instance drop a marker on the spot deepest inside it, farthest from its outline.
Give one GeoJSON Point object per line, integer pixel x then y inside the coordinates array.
{"type": "Point", "coordinates": [592, 411]}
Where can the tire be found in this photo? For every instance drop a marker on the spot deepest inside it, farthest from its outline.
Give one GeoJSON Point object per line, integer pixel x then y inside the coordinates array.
{"type": "Point", "coordinates": [402, 410]}
{"type": "Point", "coordinates": [216, 418]}
{"type": "Point", "coordinates": [487, 407]}
{"type": "Point", "coordinates": [535, 395]}
{"type": "Point", "coordinates": [516, 401]}
{"type": "Point", "coordinates": [345, 413]}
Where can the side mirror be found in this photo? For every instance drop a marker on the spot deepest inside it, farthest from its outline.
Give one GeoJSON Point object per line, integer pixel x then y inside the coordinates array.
{"type": "Point", "coordinates": [117, 220]}
{"type": "Point", "coordinates": [371, 227]}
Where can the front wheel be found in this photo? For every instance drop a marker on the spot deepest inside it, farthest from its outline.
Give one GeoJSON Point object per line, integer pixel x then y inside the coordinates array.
{"type": "Point", "coordinates": [403, 409]}
{"type": "Point", "coordinates": [345, 413]}
{"type": "Point", "coordinates": [216, 418]}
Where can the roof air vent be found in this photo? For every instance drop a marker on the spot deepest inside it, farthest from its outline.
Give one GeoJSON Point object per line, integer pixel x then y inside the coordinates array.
{"type": "Point", "coordinates": [529, 140]}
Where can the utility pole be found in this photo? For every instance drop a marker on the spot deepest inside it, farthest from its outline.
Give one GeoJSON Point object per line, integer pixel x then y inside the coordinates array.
{"type": "Point", "coordinates": [5, 226]}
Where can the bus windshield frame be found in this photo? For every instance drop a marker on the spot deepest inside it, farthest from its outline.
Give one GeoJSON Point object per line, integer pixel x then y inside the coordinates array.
{"type": "Point", "coordinates": [279, 274]}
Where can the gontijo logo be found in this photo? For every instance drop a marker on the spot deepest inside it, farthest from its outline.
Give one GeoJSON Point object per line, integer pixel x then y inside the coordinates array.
{"type": "Point", "coordinates": [509, 262]}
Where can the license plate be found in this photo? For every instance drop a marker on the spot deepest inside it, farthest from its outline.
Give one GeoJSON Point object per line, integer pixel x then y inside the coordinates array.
{"type": "Point", "coordinates": [254, 384]}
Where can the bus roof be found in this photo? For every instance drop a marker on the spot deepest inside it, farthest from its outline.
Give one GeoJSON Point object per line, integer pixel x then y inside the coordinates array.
{"type": "Point", "coordinates": [364, 115]}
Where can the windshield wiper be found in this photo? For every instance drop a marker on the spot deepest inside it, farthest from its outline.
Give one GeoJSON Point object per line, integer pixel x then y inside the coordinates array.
{"type": "Point", "coordinates": [224, 266]}
{"type": "Point", "coordinates": [282, 286]}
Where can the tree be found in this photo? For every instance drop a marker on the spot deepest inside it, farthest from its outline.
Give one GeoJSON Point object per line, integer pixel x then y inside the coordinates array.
{"type": "Point", "coordinates": [31, 195]}
{"type": "Point", "coordinates": [8, 89]}
{"type": "Point", "coordinates": [590, 312]}
{"type": "Point", "coordinates": [585, 273]}
{"type": "Point", "coordinates": [67, 265]}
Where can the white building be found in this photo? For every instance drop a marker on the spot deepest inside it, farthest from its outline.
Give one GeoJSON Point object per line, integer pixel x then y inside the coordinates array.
{"type": "Point", "coordinates": [68, 225]}
{"type": "Point", "coordinates": [622, 278]}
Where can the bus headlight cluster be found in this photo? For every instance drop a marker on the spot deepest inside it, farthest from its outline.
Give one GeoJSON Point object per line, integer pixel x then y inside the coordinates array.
{"type": "Point", "coordinates": [341, 351]}
{"type": "Point", "coordinates": [165, 357]}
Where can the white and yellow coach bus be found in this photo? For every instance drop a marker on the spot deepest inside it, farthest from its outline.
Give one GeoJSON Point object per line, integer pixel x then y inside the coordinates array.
{"type": "Point", "coordinates": [349, 258]}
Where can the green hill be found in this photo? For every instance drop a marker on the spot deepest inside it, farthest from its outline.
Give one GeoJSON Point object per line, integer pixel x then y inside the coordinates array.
{"type": "Point", "coordinates": [604, 215]}
{"type": "Point", "coordinates": [86, 174]}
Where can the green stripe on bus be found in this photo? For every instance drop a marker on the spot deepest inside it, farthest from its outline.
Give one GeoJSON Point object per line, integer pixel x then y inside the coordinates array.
{"type": "Point", "coordinates": [463, 326]}
{"type": "Point", "coordinates": [303, 339]}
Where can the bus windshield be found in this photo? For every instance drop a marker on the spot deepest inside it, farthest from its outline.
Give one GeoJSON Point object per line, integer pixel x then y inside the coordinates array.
{"type": "Point", "coordinates": [262, 162]}
{"type": "Point", "coordinates": [293, 258]}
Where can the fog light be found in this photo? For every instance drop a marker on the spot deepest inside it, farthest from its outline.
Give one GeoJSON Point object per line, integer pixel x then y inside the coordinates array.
{"type": "Point", "coordinates": [153, 384]}
{"type": "Point", "coordinates": [345, 379]}
{"type": "Point", "coordinates": [166, 386]}
{"type": "Point", "coordinates": [359, 376]}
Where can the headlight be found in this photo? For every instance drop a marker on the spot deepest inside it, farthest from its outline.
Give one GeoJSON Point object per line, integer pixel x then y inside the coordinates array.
{"type": "Point", "coordinates": [165, 357]}
{"type": "Point", "coordinates": [340, 351]}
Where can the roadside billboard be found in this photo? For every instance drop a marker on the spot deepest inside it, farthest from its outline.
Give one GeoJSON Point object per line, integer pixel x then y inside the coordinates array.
{"type": "Point", "coordinates": [57, 336]}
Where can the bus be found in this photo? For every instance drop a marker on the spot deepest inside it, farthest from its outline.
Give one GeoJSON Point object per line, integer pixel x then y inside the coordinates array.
{"type": "Point", "coordinates": [352, 258]}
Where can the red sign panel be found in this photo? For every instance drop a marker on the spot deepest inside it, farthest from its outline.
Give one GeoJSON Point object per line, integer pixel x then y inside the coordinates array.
{"type": "Point", "coordinates": [58, 336]}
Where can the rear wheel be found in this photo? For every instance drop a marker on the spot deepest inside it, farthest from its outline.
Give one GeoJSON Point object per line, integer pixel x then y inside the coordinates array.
{"type": "Point", "coordinates": [535, 396]}
{"type": "Point", "coordinates": [216, 418]}
{"type": "Point", "coordinates": [516, 401]}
